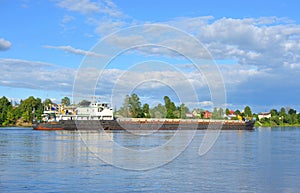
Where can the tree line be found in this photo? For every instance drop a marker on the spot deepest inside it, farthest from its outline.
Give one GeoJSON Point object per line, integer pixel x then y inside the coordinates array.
{"type": "Point", "coordinates": [132, 107]}
{"type": "Point", "coordinates": [283, 117]}
{"type": "Point", "coordinates": [32, 109]}
{"type": "Point", "coordinates": [25, 111]}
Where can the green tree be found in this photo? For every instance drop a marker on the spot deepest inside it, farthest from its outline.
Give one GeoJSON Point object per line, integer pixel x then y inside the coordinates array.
{"type": "Point", "coordinates": [146, 111]}
{"type": "Point", "coordinates": [84, 103]}
{"type": "Point", "coordinates": [183, 110]}
{"type": "Point", "coordinates": [217, 113]}
{"type": "Point", "coordinates": [275, 119]}
{"type": "Point", "coordinates": [237, 112]}
{"type": "Point", "coordinates": [170, 108]}
{"type": "Point", "coordinates": [290, 119]}
{"type": "Point", "coordinates": [221, 112]}
{"type": "Point", "coordinates": [265, 121]}
{"type": "Point", "coordinates": [274, 112]}
{"type": "Point", "coordinates": [124, 110]}
{"type": "Point", "coordinates": [11, 118]}
{"type": "Point", "coordinates": [158, 111]}
{"type": "Point", "coordinates": [292, 112]}
{"type": "Point", "coordinates": [31, 108]}
{"type": "Point", "coordinates": [282, 112]}
{"type": "Point", "coordinates": [5, 107]}
{"type": "Point", "coordinates": [26, 116]}
{"type": "Point", "coordinates": [47, 102]}
{"type": "Point", "coordinates": [65, 101]}
{"type": "Point", "coordinates": [247, 111]}
{"type": "Point", "coordinates": [135, 106]}
{"type": "Point", "coordinates": [227, 112]}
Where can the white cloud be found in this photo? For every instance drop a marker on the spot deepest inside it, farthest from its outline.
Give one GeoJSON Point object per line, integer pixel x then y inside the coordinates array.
{"type": "Point", "coordinates": [81, 6]}
{"type": "Point", "coordinates": [242, 82]}
{"type": "Point", "coordinates": [72, 50]}
{"type": "Point", "coordinates": [266, 42]}
{"type": "Point", "coordinates": [105, 27]}
{"type": "Point", "coordinates": [111, 9]}
{"type": "Point", "coordinates": [104, 15]}
{"type": "Point", "coordinates": [4, 44]}
{"type": "Point", "coordinates": [250, 43]}
{"type": "Point", "coordinates": [106, 7]}
{"type": "Point", "coordinates": [206, 103]}
{"type": "Point", "coordinates": [35, 75]}
{"type": "Point", "coordinates": [67, 19]}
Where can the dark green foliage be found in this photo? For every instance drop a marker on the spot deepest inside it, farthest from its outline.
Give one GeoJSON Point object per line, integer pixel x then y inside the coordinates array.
{"type": "Point", "coordinates": [282, 118]}
{"type": "Point", "coordinates": [124, 110]}
{"type": "Point", "coordinates": [237, 112]}
{"type": "Point", "coordinates": [265, 121]}
{"type": "Point", "coordinates": [132, 107]}
{"type": "Point", "coordinates": [274, 112]}
{"type": "Point", "coordinates": [146, 111]}
{"type": "Point", "coordinates": [158, 111]}
{"type": "Point", "coordinates": [84, 103]}
{"type": "Point", "coordinates": [227, 112]}
{"type": "Point", "coordinates": [247, 111]}
{"type": "Point", "coordinates": [135, 106]}
{"type": "Point", "coordinates": [170, 108]}
{"type": "Point", "coordinates": [5, 107]}
{"type": "Point", "coordinates": [282, 112]}
{"type": "Point", "coordinates": [218, 113]}
{"type": "Point", "coordinates": [31, 108]}
{"type": "Point", "coordinates": [47, 102]}
{"type": "Point", "coordinates": [65, 101]}
{"type": "Point", "coordinates": [183, 110]}
{"type": "Point", "coordinates": [292, 112]}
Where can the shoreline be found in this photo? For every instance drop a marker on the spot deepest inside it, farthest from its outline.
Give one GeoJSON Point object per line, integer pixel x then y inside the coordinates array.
{"type": "Point", "coordinates": [255, 126]}
{"type": "Point", "coordinates": [30, 125]}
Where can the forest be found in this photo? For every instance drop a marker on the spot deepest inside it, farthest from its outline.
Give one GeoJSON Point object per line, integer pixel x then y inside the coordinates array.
{"type": "Point", "coordinates": [25, 112]}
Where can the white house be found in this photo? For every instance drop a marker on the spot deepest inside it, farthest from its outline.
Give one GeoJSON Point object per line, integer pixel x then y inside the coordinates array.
{"type": "Point", "coordinates": [264, 115]}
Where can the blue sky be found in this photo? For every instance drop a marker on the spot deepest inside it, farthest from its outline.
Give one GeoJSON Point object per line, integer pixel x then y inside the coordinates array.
{"type": "Point", "coordinates": [44, 44]}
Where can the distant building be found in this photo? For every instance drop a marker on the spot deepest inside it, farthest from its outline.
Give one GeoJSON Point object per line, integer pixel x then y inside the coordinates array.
{"type": "Point", "coordinates": [264, 115]}
{"type": "Point", "coordinates": [207, 115]}
{"type": "Point", "coordinates": [196, 114]}
{"type": "Point", "coordinates": [230, 115]}
{"type": "Point", "coordinates": [189, 115]}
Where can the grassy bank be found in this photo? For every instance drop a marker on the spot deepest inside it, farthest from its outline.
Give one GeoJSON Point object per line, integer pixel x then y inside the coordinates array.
{"type": "Point", "coordinates": [272, 124]}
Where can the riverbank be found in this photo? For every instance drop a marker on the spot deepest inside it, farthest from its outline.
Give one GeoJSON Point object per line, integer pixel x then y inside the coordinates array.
{"type": "Point", "coordinates": [18, 125]}
{"type": "Point", "coordinates": [258, 124]}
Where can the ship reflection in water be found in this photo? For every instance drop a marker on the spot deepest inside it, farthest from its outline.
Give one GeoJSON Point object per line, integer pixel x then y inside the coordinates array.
{"type": "Point", "coordinates": [123, 149]}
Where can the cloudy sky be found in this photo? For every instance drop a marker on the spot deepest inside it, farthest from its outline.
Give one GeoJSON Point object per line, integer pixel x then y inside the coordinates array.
{"type": "Point", "coordinates": [57, 48]}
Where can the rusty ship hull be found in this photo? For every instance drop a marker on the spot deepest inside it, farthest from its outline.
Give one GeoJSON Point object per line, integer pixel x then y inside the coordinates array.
{"type": "Point", "coordinates": [145, 124]}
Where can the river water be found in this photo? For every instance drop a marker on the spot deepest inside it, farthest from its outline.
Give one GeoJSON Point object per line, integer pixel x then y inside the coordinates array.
{"type": "Point", "coordinates": [264, 160]}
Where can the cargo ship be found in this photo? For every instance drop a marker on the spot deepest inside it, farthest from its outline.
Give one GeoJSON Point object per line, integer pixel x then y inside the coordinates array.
{"type": "Point", "coordinates": [99, 116]}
